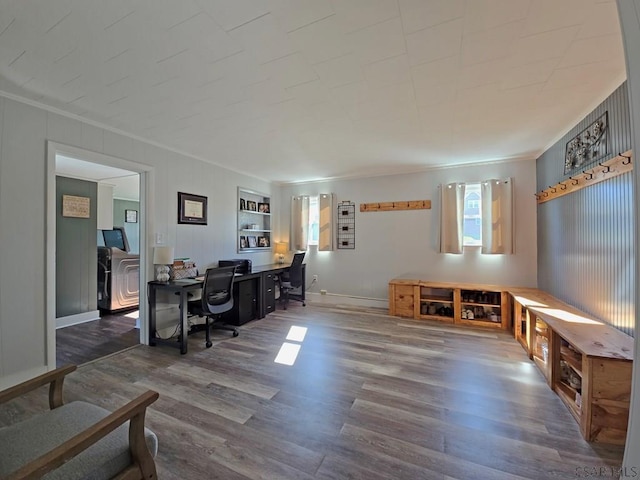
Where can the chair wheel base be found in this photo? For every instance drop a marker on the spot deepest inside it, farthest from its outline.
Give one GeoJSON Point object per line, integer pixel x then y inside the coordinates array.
{"type": "Point", "coordinates": [235, 333]}
{"type": "Point", "coordinates": [208, 344]}
{"type": "Point", "coordinates": [304, 304]}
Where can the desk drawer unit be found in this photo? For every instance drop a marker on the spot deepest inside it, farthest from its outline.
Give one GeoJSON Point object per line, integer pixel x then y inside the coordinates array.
{"type": "Point", "coordinates": [269, 286]}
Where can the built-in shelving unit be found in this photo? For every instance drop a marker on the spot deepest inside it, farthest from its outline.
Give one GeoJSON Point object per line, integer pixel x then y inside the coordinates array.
{"type": "Point", "coordinates": [254, 221]}
{"type": "Point", "coordinates": [464, 304]}
{"type": "Point", "coordinates": [585, 361]}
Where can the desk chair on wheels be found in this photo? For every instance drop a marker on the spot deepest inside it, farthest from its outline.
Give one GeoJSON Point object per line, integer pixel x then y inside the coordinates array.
{"type": "Point", "coordinates": [291, 280]}
{"type": "Point", "coordinates": [217, 298]}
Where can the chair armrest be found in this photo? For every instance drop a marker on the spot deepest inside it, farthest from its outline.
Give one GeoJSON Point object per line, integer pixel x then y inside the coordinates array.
{"type": "Point", "coordinates": [55, 378]}
{"type": "Point", "coordinates": [143, 465]}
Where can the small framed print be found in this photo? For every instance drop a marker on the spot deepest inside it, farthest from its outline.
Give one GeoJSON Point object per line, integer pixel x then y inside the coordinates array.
{"type": "Point", "coordinates": [131, 216]}
{"type": "Point", "coordinates": [192, 209]}
{"type": "Point", "coordinates": [243, 204]}
{"type": "Point", "coordinates": [263, 241]}
{"type": "Point", "coordinates": [263, 207]}
{"type": "Point", "coordinates": [243, 242]}
{"type": "Point", "coordinates": [252, 241]}
{"type": "Point", "coordinates": [252, 206]}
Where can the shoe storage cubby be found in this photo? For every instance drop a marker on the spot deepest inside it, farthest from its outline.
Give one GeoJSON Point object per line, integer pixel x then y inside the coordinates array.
{"type": "Point", "coordinates": [465, 304]}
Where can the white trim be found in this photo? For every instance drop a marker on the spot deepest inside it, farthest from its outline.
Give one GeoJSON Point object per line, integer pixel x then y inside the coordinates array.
{"type": "Point", "coordinates": [77, 319]}
{"type": "Point", "coordinates": [146, 173]}
{"type": "Point", "coordinates": [339, 299]}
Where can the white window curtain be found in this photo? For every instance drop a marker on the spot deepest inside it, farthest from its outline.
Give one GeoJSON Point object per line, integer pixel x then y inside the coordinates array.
{"type": "Point", "coordinates": [451, 217]}
{"type": "Point", "coordinates": [497, 216]}
{"type": "Point", "coordinates": [299, 222]}
{"type": "Point", "coordinates": [325, 235]}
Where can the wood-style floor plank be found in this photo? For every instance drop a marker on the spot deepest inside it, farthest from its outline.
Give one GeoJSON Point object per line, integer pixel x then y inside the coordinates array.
{"type": "Point", "coordinates": [369, 397]}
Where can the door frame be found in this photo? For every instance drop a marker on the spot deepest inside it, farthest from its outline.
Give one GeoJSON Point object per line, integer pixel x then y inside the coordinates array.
{"type": "Point", "coordinates": [146, 173]}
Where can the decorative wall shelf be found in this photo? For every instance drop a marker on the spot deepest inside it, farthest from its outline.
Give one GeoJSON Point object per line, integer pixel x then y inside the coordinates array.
{"type": "Point", "coordinates": [390, 206]}
{"type": "Point", "coordinates": [611, 168]}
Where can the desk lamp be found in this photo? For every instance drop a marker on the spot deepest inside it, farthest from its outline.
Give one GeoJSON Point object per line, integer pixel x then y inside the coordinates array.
{"type": "Point", "coordinates": [281, 249]}
{"type": "Point", "coordinates": [162, 258]}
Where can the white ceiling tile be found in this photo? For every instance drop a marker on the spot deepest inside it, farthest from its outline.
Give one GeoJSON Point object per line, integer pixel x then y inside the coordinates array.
{"type": "Point", "coordinates": [264, 39]}
{"type": "Point", "coordinates": [295, 14]}
{"type": "Point", "coordinates": [440, 41]}
{"type": "Point", "coordinates": [489, 44]}
{"type": "Point", "coordinates": [357, 14]}
{"type": "Point", "coordinates": [528, 74]}
{"type": "Point", "coordinates": [435, 94]}
{"type": "Point", "coordinates": [339, 71]}
{"type": "Point", "coordinates": [309, 93]}
{"type": "Point", "coordinates": [592, 49]}
{"type": "Point", "coordinates": [388, 71]}
{"type": "Point", "coordinates": [290, 70]}
{"type": "Point", "coordinates": [418, 14]}
{"type": "Point", "coordinates": [600, 20]}
{"type": "Point", "coordinates": [380, 41]}
{"type": "Point", "coordinates": [321, 41]}
{"type": "Point", "coordinates": [444, 70]}
{"type": "Point", "coordinates": [230, 15]}
{"type": "Point", "coordinates": [543, 46]}
{"type": "Point", "coordinates": [481, 74]}
{"type": "Point", "coordinates": [488, 14]}
{"type": "Point", "coordinates": [580, 74]}
{"type": "Point", "coordinates": [549, 15]}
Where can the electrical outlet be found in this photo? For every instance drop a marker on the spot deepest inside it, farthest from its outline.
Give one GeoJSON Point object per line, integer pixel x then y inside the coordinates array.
{"type": "Point", "coordinates": [315, 278]}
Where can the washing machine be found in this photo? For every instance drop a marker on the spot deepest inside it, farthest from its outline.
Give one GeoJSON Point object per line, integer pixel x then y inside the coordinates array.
{"type": "Point", "coordinates": [118, 273]}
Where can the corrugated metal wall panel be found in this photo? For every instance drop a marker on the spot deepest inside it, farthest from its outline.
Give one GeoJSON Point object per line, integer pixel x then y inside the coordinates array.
{"type": "Point", "coordinates": [586, 239]}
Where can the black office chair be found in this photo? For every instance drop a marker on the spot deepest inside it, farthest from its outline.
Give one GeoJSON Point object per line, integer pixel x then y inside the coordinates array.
{"type": "Point", "coordinates": [291, 281]}
{"type": "Point", "coordinates": [217, 298]}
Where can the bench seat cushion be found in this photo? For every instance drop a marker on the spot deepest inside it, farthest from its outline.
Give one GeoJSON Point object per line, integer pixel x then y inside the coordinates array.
{"type": "Point", "coordinates": [25, 441]}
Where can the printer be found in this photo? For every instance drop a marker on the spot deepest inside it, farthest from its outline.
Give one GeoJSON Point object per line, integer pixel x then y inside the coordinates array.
{"type": "Point", "coordinates": [242, 265]}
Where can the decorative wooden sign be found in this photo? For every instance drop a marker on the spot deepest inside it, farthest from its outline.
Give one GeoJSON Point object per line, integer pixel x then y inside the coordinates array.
{"type": "Point", "coordinates": [391, 206]}
{"type": "Point", "coordinates": [601, 172]}
{"type": "Point", "coordinates": [78, 207]}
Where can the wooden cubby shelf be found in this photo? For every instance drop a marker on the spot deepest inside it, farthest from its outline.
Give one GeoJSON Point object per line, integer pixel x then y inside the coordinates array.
{"type": "Point", "coordinates": [588, 363]}
{"type": "Point", "coordinates": [463, 304]}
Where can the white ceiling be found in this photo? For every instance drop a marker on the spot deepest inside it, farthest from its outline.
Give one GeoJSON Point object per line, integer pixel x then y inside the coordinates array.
{"type": "Point", "coordinates": [294, 90]}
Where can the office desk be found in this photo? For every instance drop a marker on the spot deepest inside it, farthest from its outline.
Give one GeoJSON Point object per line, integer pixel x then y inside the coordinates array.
{"type": "Point", "coordinates": [253, 294]}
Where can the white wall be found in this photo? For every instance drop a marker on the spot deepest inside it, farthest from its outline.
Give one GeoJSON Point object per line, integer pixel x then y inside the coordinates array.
{"type": "Point", "coordinates": [24, 131]}
{"type": "Point", "coordinates": [405, 243]}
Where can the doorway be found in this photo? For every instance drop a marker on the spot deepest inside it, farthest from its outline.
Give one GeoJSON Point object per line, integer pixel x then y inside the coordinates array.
{"type": "Point", "coordinates": [98, 329]}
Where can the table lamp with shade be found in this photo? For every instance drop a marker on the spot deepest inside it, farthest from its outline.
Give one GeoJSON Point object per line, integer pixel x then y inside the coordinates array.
{"type": "Point", "coordinates": [162, 258]}
{"type": "Point", "coordinates": [281, 250]}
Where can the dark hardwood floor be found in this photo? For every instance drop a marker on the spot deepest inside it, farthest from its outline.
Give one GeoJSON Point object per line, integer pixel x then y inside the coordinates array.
{"type": "Point", "coordinates": [369, 397]}
{"type": "Point", "coordinates": [89, 341]}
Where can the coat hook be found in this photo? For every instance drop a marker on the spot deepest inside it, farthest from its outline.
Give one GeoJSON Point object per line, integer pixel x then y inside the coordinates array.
{"type": "Point", "coordinates": [563, 186]}
{"type": "Point", "coordinates": [573, 181]}
{"type": "Point", "coordinates": [537, 196]}
{"type": "Point", "coordinates": [605, 168]}
{"type": "Point", "coordinates": [590, 175]}
{"type": "Point", "coordinates": [628, 159]}
{"type": "Point", "coordinates": [553, 189]}
{"type": "Point", "coordinates": [545, 194]}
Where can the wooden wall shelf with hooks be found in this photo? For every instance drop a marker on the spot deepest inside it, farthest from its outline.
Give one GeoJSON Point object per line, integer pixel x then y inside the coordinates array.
{"type": "Point", "coordinates": [622, 163]}
{"type": "Point", "coordinates": [391, 206]}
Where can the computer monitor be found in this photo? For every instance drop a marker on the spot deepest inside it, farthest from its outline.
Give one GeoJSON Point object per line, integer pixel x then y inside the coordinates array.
{"type": "Point", "coordinates": [116, 238]}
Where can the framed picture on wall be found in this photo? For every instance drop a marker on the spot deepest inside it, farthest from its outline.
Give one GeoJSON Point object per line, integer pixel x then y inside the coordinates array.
{"type": "Point", "coordinates": [263, 241]}
{"type": "Point", "coordinates": [263, 207]}
{"type": "Point", "coordinates": [192, 209]}
{"type": "Point", "coordinates": [252, 241]}
{"type": "Point", "coordinates": [243, 241]}
{"type": "Point", "coordinates": [251, 205]}
{"type": "Point", "coordinates": [243, 205]}
{"type": "Point", "coordinates": [131, 216]}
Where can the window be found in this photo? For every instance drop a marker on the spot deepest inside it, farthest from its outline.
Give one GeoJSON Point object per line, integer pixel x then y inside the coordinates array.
{"type": "Point", "coordinates": [314, 220]}
{"type": "Point", "coordinates": [472, 227]}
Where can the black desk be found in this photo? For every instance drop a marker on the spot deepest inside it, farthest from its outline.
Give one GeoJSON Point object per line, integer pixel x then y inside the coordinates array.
{"type": "Point", "coordinates": [254, 298]}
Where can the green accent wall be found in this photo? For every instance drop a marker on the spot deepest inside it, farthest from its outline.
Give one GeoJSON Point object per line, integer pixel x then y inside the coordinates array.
{"type": "Point", "coordinates": [132, 229]}
{"type": "Point", "coordinates": [76, 251]}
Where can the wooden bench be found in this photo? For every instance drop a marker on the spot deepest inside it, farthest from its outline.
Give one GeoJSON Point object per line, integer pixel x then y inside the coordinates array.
{"type": "Point", "coordinates": [587, 362]}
